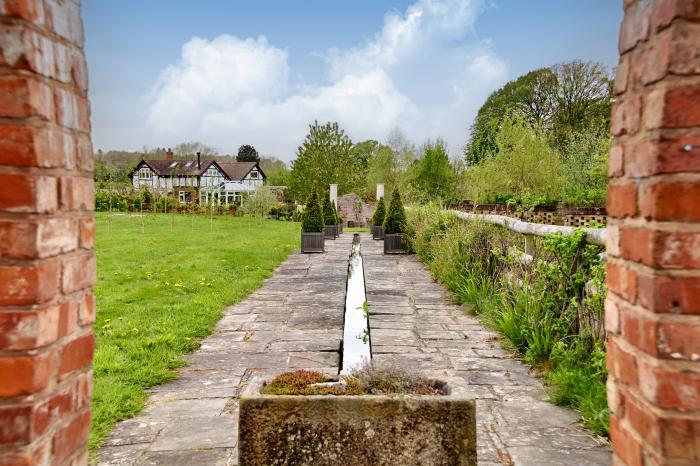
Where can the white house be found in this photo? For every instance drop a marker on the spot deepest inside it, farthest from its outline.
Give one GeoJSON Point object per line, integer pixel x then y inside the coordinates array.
{"type": "Point", "coordinates": [225, 182]}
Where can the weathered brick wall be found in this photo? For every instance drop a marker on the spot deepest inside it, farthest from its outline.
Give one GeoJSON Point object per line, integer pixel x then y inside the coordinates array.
{"type": "Point", "coordinates": [47, 232]}
{"type": "Point", "coordinates": [653, 308]}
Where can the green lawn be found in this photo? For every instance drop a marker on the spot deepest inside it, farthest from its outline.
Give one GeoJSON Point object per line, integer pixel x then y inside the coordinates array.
{"type": "Point", "coordinates": [161, 291]}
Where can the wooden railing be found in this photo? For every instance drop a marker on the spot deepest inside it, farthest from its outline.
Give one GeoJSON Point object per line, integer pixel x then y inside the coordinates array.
{"type": "Point", "coordinates": [594, 236]}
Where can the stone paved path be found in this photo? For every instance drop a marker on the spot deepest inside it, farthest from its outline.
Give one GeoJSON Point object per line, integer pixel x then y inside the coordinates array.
{"type": "Point", "coordinates": [294, 321]}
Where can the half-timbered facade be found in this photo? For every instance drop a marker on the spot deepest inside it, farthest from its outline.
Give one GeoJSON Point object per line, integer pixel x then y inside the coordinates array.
{"type": "Point", "coordinates": [190, 180]}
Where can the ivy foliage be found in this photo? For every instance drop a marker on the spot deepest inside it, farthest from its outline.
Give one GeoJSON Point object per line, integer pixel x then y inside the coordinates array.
{"type": "Point", "coordinates": [312, 219]}
{"type": "Point", "coordinates": [378, 217]}
{"type": "Point", "coordinates": [395, 220]}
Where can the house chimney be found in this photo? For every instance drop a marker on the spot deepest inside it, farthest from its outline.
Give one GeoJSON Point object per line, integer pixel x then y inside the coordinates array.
{"type": "Point", "coordinates": [199, 161]}
{"type": "Point", "coordinates": [169, 154]}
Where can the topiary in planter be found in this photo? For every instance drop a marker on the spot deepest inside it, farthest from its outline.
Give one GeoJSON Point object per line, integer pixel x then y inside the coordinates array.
{"type": "Point", "coordinates": [330, 218]}
{"type": "Point", "coordinates": [312, 218]}
{"type": "Point", "coordinates": [395, 219]}
{"type": "Point", "coordinates": [394, 225]}
{"type": "Point", "coordinates": [312, 236]}
{"type": "Point", "coordinates": [378, 217]}
{"type": "Point", "coordinates": [378, 220]}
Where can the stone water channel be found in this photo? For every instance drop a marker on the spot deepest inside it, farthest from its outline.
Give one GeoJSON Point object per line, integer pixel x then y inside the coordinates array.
{"type": "Point", "coordinates": [295, 320]}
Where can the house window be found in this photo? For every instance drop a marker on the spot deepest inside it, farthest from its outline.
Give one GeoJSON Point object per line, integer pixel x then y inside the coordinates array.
{"type": "Point", "coordinates": [254, 174]}
{"type": "Point", "coordinates": [145, 174]}
{"type": "Point", "coordinates": [185, 197]}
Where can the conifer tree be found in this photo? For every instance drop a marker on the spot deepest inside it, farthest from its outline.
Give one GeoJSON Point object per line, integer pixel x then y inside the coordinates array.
{"type": "Point", "coordinates": [395, 220]}
{"type": "Point", "coordinates": [378, 217]}
{"type": "Point", "coordinates": [329, 215]}
{"type": "Point", "coordinates": [312, 218]}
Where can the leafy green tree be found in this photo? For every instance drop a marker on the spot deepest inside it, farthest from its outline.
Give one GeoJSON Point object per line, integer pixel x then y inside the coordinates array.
{"type": "Point", "coordinates": [260, 202]}
{"type": "Point", "coordinates": [312, 218]}
{"type": "Point", "coordinates": [525, 169]}
{"type": "Point", "coordinates": [434, 175]}
{"type": "Point", "coordinates": [247, 153]}
{"type": "Point", "coordinates": [378, 217]}
{"type": "Point", "coordinates": [382, 168]}
{"type": "Point", "coordinates": [584, 101]}
{"type": "Point", "coordinates": [276, 171]}
{"type": "Point", "coordinates": [324, 157]}
{"type": "Point", "coordinates": [189, 149]}
{"type": "Point", "coordinates": [532, 96]}
{"type": "Point", "coordinates": [395, 219]}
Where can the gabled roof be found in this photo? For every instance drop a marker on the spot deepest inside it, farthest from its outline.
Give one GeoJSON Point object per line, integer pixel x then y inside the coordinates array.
{"type": "Point", "coordinates": [234, 171]}
{"type": "Point", "coordinates": [164, 167]}
{"type": "Point", "coordinates": [237, 171]}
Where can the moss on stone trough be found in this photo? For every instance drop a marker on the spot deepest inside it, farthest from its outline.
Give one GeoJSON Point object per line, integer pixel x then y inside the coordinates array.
{"type": "Point", "coordinates": [355, 429]}
{"type": "Point", "coordinates": [366, 381]}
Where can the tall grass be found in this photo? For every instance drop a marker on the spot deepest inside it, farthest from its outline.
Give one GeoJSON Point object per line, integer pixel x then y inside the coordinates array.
{"type": "Point", "coordinates": [549, 309]}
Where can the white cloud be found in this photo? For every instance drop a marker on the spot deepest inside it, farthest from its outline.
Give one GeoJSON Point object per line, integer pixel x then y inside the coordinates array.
{"type": "Point", "coordinates": [419, 72]}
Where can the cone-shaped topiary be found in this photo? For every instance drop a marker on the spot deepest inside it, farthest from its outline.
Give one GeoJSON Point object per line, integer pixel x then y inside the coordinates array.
{"type": "Point", "coordinates": [329, 215]}
{"type": "Point", "coordinates": [312, 218]}
{"type": "Point", "coordinates": [378, 217]}
{"type": "Point", "coordinates": [395, 219]}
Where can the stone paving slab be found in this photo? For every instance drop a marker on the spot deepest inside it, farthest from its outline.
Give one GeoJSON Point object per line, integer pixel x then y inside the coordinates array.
{"type": "Point", "coordinates": [295, 320]}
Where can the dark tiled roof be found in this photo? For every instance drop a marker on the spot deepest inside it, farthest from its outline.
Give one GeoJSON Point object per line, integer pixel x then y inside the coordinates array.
{"type": "Point", "coordinates": [164, 167]}
{"type": "Point", "coordinates": [237, 170]}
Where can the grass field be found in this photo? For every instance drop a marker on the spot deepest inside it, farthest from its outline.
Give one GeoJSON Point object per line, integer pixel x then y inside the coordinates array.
{"type": "Point", "coordinates": [159, 292]}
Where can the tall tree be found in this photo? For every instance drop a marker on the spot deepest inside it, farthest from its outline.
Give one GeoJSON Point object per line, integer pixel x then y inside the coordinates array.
{"type": "Point", "coordinates": [324, 157]}
{"type": "Point", "coordinates": [584, 101]}
{"type": "Point", "coordinates": [189, 149]}
{"type": "Point", "coordinates": [532, 96]}
{"type": "Point", "coordinates": [434, 175]}
{"type": "Point", "coordinates": [247, 153]}
{"type": "Point", "coordinates": [276, 171]}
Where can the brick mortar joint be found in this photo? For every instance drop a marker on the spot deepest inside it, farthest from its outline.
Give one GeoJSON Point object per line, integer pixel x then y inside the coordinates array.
{"type": "Point", "coordinates": [60, 300]}
{"type": "Point", "coordinates": [629, 391]}
{"type": "Point", "coordinates": [658, 317]}
{"type": "Point", "coordinates": [46, 393]}
{"type": "Point", "coordinates": [648, 270]}
{"type": "Point", "coordinates": [640, 222]}
{"type": "Point", "coordinates": [55, 346]}
{"type": "Point", "coordinates": [653, 361]}
{"type": "Point", "coordinates": [43, 30]}
{"type": "Point", "coordinates": [59, 258]}
{"type": "Point", "coordinates": [31, 217]}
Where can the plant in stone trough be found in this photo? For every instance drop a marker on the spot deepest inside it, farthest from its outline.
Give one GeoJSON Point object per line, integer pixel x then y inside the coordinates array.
{"type": "Point", "coordinates": [312, 219]}
{"type": "Point", "coordinates": [378, 217]}
{"type": "Point", "coordinates": [395, 220]}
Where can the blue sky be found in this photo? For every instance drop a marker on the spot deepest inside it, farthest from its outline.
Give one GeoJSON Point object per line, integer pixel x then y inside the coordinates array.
{"type": "Point", "coordinates": [232, 73]}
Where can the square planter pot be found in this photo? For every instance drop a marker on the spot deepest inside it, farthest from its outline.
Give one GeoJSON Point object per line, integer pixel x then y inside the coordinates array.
{"type": "Point", "coordinates": [331, 231]}
{"type": "Point", "coordinates": [377, 231]}
{"type": "Point", "coordinates": [312, 242]}
{"type": "Point", "coordinates": [356, 430]}
{"type": "Point", "coordinates": [393, 243]}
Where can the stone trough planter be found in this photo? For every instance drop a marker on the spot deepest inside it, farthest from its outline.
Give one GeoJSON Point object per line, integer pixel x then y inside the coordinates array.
{"type": "Point", "coordinates": [393, 243]}
{"type": "Point", "coordinates": [312, 242]}
{"type": "Point", "coordinates": [357, 430]}
{"type": "Point", "coordinates": [377, 231]}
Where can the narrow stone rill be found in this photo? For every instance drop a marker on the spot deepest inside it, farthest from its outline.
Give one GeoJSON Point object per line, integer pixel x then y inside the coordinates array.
{"type": "Point", "coordinates": [357, 347]}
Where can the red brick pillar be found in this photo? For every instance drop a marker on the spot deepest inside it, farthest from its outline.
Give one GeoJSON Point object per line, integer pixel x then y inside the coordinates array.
{"type": "Point", "coordinates": [653, 306]}
{"type": "Point", "coordinates": [47, 232]}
